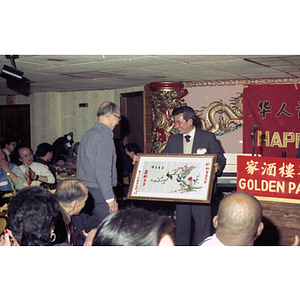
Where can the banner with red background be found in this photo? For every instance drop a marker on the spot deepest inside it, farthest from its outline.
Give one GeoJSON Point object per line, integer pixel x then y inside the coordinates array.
{"type": "Point", "coordinates": [269, 178]}
{"type": "Point", "coordinates": [276, 111]}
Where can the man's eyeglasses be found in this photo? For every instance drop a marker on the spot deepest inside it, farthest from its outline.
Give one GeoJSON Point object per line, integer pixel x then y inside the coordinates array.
{"type": "Point", "coordinates": [27, 155]}
{"type": "Point", "coordinates": [120, 118]}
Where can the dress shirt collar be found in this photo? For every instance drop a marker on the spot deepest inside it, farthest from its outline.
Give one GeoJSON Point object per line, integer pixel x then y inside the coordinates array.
{"type": "Point", "coordinates": [191, 134]}
{"type": "Point", "coordinates": [65, 216]}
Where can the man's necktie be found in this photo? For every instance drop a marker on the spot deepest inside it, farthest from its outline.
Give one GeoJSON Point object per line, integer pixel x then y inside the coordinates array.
{"type": "Point", "coordinates": [73, 236]}
{"type": "Point", "coordinates": [187, 138]}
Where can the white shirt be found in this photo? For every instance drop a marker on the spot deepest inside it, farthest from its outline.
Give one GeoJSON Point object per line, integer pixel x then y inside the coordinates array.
{"type": "Point", "coordinates": [211, 241]}
{"type": "Point", "coordinates": [41, 170]}
{"type": "Point", "coordinates": [188, 146]}
{"type": "Point", "coordinates": [7, 154]}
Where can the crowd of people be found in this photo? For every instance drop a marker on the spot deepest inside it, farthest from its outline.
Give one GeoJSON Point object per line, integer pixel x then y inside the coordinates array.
{"type": "Point", "coordinates": [20, 167]}
{"type": "Point", "coordinates": [37, 216]}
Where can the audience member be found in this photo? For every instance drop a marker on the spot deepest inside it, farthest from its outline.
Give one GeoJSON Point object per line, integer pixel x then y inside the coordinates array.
{"type": "Point", "coordinates": [96, 162]}
{"type": "Point", "coordinates": [72, 160]}
{"type": "Point", "coordinates": [125, 167]}
{"type": "Point", "coordinates": [9, 144]}
{"type": "Point", "coordinates": [190, 139]}
{"type": "Point", "coordinates": [44, 152]}
{"type": "Point", "coordinates": [31, 217]}
{"type": "Point", "coordinates": [11, 176]}
{"type": "Point", "coordinates": [60, 162]}
{"type": "Point", "coordinates": [131, 150]}
{"type": "Point", "coordinates": [238, 222]}
{"type": "Point", "coordinates": [72, 195]}
{"type": "Point", "coordinates": [134, 227]}
{"type": "Point", "coordinates": [75, 148]}
{"type": "Point", "coordinates": [34, 172]}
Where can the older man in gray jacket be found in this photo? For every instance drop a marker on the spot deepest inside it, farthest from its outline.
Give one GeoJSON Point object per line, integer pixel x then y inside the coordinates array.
{"type": "Point", "coordinates": [96, 161]}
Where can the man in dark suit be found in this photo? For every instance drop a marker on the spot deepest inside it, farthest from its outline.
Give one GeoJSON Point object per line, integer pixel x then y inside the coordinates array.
{"type": "Point", "coordinates": [192, 140]}
{"type": "Point", "coordinates": [73, 226]}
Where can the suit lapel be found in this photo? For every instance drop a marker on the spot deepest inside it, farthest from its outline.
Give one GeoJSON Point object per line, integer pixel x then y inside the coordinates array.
{"type": "Point", "coordinates": [195, 142]}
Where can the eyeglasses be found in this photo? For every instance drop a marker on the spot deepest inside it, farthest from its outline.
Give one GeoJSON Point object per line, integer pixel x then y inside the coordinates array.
{"type": "Point", "coordinates": [120, 118]}
{"type": "Point", "coordinates": [27, 155]}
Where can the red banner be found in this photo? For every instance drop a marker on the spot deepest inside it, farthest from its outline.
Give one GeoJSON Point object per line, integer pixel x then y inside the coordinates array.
{"type": "Point", "coordinates": [276, 111]}
{"type": "Point", "coordinates": [269, 178]}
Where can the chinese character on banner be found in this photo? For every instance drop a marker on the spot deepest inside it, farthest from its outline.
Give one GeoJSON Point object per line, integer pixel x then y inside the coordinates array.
{"type": "Point", "coordinates": [269, 178]}
{"type": "Point", "coordinates": [276, 111]}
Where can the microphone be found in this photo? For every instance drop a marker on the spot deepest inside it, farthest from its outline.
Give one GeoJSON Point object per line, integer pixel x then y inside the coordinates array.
{"type": "Point", "coordinates": [254, 128]}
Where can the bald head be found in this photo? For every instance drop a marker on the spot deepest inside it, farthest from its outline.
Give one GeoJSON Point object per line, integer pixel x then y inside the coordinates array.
{"type": "Point", "coordinates": [239, 214]}
{"type": "Point", "coordinates": [71, 190]}
{"type": "Point", "coordinates": [108, 107]}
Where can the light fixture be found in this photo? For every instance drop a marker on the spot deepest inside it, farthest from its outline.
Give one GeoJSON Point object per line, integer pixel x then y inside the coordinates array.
{"type": "Point", "coordinates": [14, 77]}
{"type": "Point", "coordinates": [10, 73]}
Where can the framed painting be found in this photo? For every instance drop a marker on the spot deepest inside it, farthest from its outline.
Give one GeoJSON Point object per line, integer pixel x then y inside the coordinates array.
{"type": "Point", "coordinates": [173, 177]}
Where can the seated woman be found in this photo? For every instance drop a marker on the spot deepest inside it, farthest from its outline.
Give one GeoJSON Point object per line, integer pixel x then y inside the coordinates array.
{"type": "Point", "coordinates": [32, 214]}
{"type": "Point", "coordinates": [134, 227]}
{"type": "Point", "coordinates": [11, 176]}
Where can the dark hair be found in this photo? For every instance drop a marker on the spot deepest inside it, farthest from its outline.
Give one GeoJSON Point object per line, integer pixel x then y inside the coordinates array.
{"type": "Point", "coordinates": [110, 107]}
{"type": "Point", "coordinates": [20, 146]}
{"type": "Point", "coordinates": [69, 190]}
{"type": "Point", "coordinates": [15, 155]}
{"type": "Point", "coordinates": [187, 111]}
{"type": "Point", "coordinates": [133, 147]}
{"type": "Point", "coordinates": [132, 227]}
{"type": "Point", "coordinates": [9, 140]}
{"type": "Point", "coordinates": [61, 157]}
{"type": "Point", "coordinates": [31, 215]}
{"type": "Point", "coordinates": [43, 149]}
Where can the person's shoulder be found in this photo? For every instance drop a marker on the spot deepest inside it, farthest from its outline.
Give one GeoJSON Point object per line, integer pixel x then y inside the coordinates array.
{"type": "Point", "coordinates": [211, 241]}
{"type": "Point", "coordinates": [41, 161]}
{"type": "Point", "coordinates": [99, 129]}
{"type": "Point", "coordinates": [11, 165]}
{"type": "Point", "coordinates": [204, 134]}
{"type": "Point", "coordinates": [39, 165]}
{"type": "Point", "coordinates": [175, 136]}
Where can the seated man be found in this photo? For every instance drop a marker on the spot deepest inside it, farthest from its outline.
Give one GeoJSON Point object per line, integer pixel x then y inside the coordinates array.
{"type": "Point", "coordinates": [238, 222]}
{"type": "Point", "coordinates": [44, 152]}
{"type": "Point", "coordinates": [74, 226]}
{"type": "Point", "coordinates": [34, 172]}
{"type": "Point", "coordinates": [9, 144]}
{"type": "Point", "coordinates": [134, 227]}
{"type": "Point", "coordinates": [11, 176]}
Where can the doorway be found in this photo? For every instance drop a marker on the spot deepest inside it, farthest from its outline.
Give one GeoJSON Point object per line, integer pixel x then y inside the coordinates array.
{"type": "Point", "coordinates": [132, 124]}
{"type": "Point", "coordinates": [15, 122]}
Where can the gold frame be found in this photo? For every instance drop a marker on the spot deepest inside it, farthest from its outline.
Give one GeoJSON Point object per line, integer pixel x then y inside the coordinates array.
{"type": "Point", "coordinates": [173, 178]}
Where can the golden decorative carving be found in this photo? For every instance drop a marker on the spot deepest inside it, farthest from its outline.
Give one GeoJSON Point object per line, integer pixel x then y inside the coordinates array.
{"type": "Point", "coordinates": [166, 96]}
{"type": "Point", "coordinates": [221, 118]}
{"type": "Point", "coordinates": [240, 82]}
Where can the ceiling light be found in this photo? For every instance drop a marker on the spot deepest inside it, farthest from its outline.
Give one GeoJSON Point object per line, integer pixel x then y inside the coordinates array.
{"type": "Point", "coordinates": [11, 73]}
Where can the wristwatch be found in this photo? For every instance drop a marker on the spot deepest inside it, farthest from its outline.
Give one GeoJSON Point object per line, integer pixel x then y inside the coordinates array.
{"type": "Point", "coordinates": [37, 177]}
{"type": "Point", "coordinates": [8, 173]}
